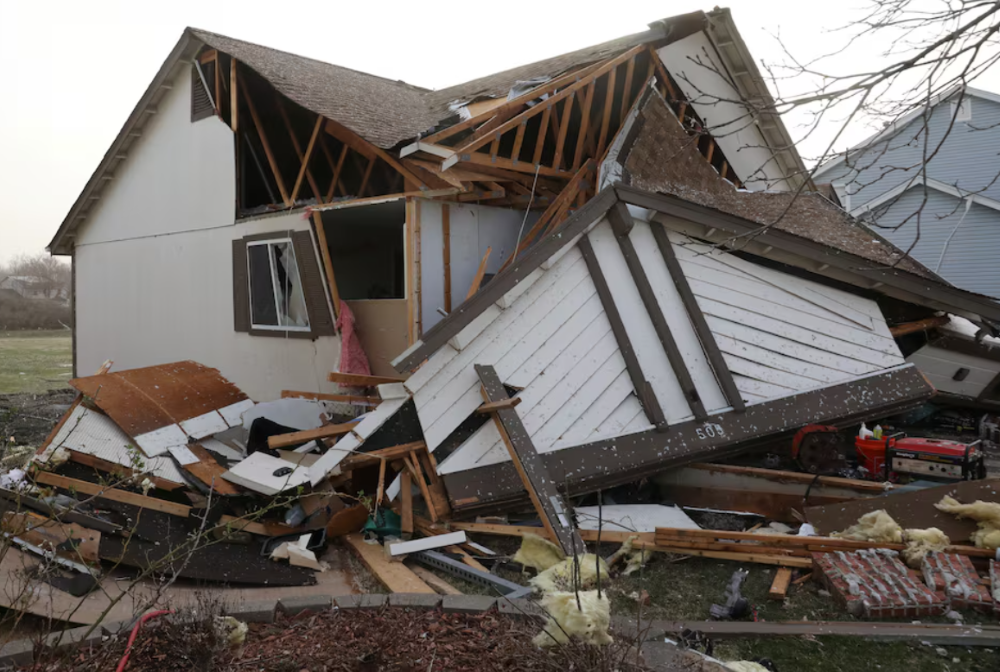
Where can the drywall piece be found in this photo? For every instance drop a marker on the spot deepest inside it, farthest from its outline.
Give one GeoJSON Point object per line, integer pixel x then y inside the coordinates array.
{"type": "Point", "coordinates": [295, 413]}
{"type": "Point", "coordinates": [183, 455]}
{"type": "Point", "coordinates": [90, 432]}
{"type": "Point", "coordinates": [233, 414]}
{"type": "Point", "coordinates": [204, 425]}
{"type": "Point", "coordinates": [427, 543]}
{"type": "Point", "coordinates": [390, 391]}
{"type": "Point", "coordinates": [633, 518]}
{"type": "Point", "coordinates": [161, 440]}
{"type": "Point", "coordinates": [262, 473]}
{"type": "Point", "coordinates": [221, 448]}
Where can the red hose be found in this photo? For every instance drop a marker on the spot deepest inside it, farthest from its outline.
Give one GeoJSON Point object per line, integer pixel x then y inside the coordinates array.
{"type": "Point", "coordinates": [135, 631]}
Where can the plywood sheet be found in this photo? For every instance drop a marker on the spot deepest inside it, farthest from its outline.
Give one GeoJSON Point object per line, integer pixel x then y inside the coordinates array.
{"type": "Point", "coordinates": [381, 327]}
{"type": "Point", "coordinates": [632, 518]}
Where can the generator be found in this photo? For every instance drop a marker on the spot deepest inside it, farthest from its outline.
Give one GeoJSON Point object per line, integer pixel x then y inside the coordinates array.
{"type": "Point", "coordinates": [935, 459]}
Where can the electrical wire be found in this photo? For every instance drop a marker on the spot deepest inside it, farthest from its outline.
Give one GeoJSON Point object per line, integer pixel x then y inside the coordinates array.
{"type": "Point", "coordinates": [531, 199]}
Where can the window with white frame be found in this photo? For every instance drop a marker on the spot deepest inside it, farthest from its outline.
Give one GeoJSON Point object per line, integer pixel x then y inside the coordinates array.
{"type": "Point", "coordinates": [276, 298]}
{"type": "Point", "coordinates": [962, 111]}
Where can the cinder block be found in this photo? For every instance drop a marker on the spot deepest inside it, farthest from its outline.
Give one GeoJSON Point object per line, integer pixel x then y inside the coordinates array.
{"type": "Point", "coordinates": [19, 653]}
{"type": "Point", "coordinates": [520, 608]}
{"type": "Point", "coordinates": [467, 604]}
{"type": "Point", "coordinates": [415, 600]}
{"type": "Point", "coordinates": [258, 611]}
{"type": "Point", "coordinates": [296, 605]}
{"type": "Point", "coordinates": [955, 578]}
{"type": "Point", "coordinates": [368, 601]}
{"type": "Point", "coordinates": [874, 583]}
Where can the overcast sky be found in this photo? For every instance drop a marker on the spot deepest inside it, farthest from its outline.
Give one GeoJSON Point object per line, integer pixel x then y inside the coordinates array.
{"type": "Point", "coordinates": [74, 70]}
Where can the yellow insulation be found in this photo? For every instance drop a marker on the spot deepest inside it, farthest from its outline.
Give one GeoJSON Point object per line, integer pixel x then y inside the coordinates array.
{"type": "Point", "coordinates": [538, 553]}
{"type": "Point", "coordinates": [559, 577]}
{"type": "Point", "coordinates": [874, 526]}
{"type": "Point", "coordinates": [587, 621]}
{"type": "Point", "coordinates": [986, 514]}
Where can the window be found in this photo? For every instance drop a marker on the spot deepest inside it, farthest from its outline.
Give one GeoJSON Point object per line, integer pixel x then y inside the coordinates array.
{"type": "Point", "coordinates": [276, 298]}
{"type": "Point", "coordinates": [962, 111]}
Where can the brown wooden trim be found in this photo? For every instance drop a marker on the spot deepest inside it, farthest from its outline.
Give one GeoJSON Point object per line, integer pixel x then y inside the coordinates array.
{"type": "Point", "coordinates": [324, 250]}
{"type": "Point", "coordinates": [460, 317]}
{"type": "Point", "coordinates": [105, 492]}
{"type": "Point", "coordinates": [323, 396]}
{"type": "Point", "coordinates": [234, 100]}
{"type": "Point", "coordinates": [621, 220]}
{"type": "Point", "coordinates": [912, 288]}
{"type": "Point", "coordinates": [643, 390]}
{"type": "Point", "coordinates": [361, 380]}
{"type": "Point", "coordinates": [705, 335]}
{"type": "Point", "coordinates": [551, 509]}
{"type": "Point", "coordinates": [919, 325]}
{"type": "Point", "coordinates": [367, 149]}
{"type": "Point", "coordinates": [446, 236]}
{"type": "Point", "coordinates": [590, 467]}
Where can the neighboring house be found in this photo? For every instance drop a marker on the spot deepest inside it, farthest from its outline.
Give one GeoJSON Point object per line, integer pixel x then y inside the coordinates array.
{"type": "Point", "coordinates": [957, 231]}
{"type": "Point", "coordinates": [253, 194]}
{"type": "Point", "coordinates": [30, 287]}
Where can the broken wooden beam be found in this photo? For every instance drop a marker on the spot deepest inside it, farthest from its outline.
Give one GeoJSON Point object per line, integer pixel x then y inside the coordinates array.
{"type": "Point", "coordinates": [297, 438]}
{"type": "Point", "coordinates": [494, 406]}
{"type": "Point", "coordinates": [919, 325]}
{"type": "Point", "coordinates": [541, 489]}
{"type": "Point", "coordinates": [779, 587]}
{"type": "Point", "coordinates": [322, 396]}
{"type": "Point", "coordinates": [105, 492]}
{"type": "Point", "coordinates": [395, 576]}
{"type": "Point", "coordinates": [361, 380]}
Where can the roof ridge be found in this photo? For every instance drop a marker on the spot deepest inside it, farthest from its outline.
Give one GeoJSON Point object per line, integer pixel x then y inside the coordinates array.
{"type": "Point", "coordinates": [200, 31]}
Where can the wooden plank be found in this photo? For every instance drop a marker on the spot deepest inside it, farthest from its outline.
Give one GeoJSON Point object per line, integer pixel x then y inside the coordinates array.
{"type": "Point", "coordinates": [409, 283]}
{"type": "Point", "coordinates": [296, 438]}
{"type": "Point", "coordinates": [406, 501]}
{"type": "Point", "coordinates": [546, 498]}
{"type": "Point", "coordinates": [477, 280]}
{"type": "Point", "coordinates": [475, 159]}
{"type": "Point", "coordinates": [563, 130]}
{"type": "Point", "coordinates": [361, 380]}
{"type": "Point", "coordinates": [435, 485]}
{"type": "Point", "coordinates": [779, 587]}
{"type": "Point", "coordinates": [115, 468]}
{"type": "Point", "coordinates": [105, 492]}
{"type": "Point", "coordinates": [919, 325]}
{"type": "Point", "coordinates": [413, 466]}
{"type": "Point", "coordinates": [322, 396]}
{"type": "Point", "coordinates": [234, 100]}
{"type": "Point", "coordinates": [784, 561]}
{"type": "Point", "coordinates": [581, 140]}
{"type": "Point", "coordinates": [650, 404]}
{"type": "Point", "coordinates": [494, 406]}
{"type": "Point", "coordinates": [305, 160]}
{"type": "Point", "coordinates": [335, 180]}
{"type": "Point", "coordinates": [708, 342]}
{"type": "Point", "coordinates": [434, 581]}
{"type": "Point", "coordinates": [263, 141]}
{"type": "Point", "coordinates": [610, 536]}
{"type": "Point", "coordinates": [609, 100]}
{"type": "Point", "coordinates": [395, 576]}
{"type": "Point", "coordinates": [324, 249]}
{"type": "Point", "coordinates": [543, 130]}
{"type": "Point", "coordinates": [621, 220]}
{"type": "Point", "coordinates": [368, 459]}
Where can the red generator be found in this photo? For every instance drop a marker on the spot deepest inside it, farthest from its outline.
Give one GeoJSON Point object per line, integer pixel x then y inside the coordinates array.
{"type": "Point", "coordinates": [935, 459]}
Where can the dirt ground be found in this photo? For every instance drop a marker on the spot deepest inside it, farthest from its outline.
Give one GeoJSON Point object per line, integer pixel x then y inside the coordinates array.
{"type": "Point", "coordinates": [27, 418]}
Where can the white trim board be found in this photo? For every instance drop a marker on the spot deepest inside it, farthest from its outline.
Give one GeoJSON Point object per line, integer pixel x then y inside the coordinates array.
{"type": "Point", "coordinates": [930, 183]}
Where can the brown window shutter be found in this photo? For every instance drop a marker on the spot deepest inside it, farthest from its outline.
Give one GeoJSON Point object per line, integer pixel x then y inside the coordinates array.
{"type": "Point", "coordinates": [241, 288]}
{"type": "Point", "coordinates": [201, 104]}
{"type": "Point", "coordinates": [312, 285]}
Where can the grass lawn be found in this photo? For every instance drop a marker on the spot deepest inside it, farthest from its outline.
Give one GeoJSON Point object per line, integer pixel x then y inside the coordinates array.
{"type": "Point", "coordinates": [34, 361]}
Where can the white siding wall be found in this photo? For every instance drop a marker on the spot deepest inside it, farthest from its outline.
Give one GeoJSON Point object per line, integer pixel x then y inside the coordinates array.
{"type": "Point", "coordinates": [474, 228]}
{"type": "Point", "coordinates": [940, 367]}
{"type": "Point", "coordinates": [696, 67]}
{"type": "Point", "coordinates": [154, 264]}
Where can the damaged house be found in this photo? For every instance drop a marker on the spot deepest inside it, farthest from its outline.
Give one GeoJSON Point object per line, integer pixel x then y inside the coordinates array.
{"type": "Point", "coordinates": [559, 263]}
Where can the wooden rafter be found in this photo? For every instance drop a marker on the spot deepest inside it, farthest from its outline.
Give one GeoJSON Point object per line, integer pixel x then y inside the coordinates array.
{"type": "Point", "coordinates": [581, 139]}
{"type": "Point", "coordinates": [296, 146]}
{"type": "Point", "coordinates": [335, 182]}
{"type": "Point", "coordinates": [234, 102]}
{"type": "Point", "coordinates": [305, 161]}
{"type": "Point", "coordinates": [263, 140]}
{"type": "Point", "coordinates": [368, 150]}
{"type": "Point", "coordinates": [609, 99]}
{"type": "Point", "coordinates": [469, 148]}
{"type": "Point", "coordinates": [626, 90]}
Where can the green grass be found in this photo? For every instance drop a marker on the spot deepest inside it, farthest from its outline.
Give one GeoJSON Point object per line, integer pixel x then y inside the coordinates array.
{"type": "Point", "coordinates": [34, 361]}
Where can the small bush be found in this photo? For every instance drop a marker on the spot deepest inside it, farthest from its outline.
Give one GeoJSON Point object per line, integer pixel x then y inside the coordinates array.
{"type": "Point", "coordinates": [17, 313]}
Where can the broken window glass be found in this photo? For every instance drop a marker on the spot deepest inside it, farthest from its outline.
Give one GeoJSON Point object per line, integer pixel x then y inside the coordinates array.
{"type": "Point", "coordinates": [276, 299]}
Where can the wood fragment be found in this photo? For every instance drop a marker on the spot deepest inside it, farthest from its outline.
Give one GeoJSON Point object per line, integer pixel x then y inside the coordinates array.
{"type": "Point", "coordinates": [117, 469]}
{"type": "Point", "coordinates": [296, 438]}
{"type": "Point", "coordinates": [803, 579]}
{"type": "Point", "coordinates": [406, 502]}
{"type": "Point", "coordinates": [434, 581]}
{"type": "Point", "coordinates": [361, 380]}
{"type": "Point", "coordinates": [779, 587]}
{"type": "Point", "coordinates": [105, 492]}
{"type": "Point", "coordinates": [324, 249]}
{"type": "Point", "coordinates": [322, 396]}
{"type": "Point", "coordinates": [480, 272]}
{"type": "Point", "coordinates": [494, 406]}
{"type": "Point", "coordinates": [395, 576]}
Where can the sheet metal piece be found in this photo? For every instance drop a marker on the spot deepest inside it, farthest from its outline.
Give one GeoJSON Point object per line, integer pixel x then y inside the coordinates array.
{"type": "Point", "coordinates": [463, 571]}
{"type": "Point", "coordinates": [163, 406]}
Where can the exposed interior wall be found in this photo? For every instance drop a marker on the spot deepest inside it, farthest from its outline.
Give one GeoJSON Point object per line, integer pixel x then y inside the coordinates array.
{"type": "Point", "coordinates": [473, 230]}
{"type": "Point", "coordinates": [382, 331]}
{"type": "Point", "coordinates": [154, 277]}
{"type": "Point", "coordinates": [697, 69]}
{"type": "Point", "coordinates": [367, 248]}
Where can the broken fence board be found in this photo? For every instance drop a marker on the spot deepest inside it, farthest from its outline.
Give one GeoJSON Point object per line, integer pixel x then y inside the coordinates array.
{"type": "Point", "coordinates": [395, 576]}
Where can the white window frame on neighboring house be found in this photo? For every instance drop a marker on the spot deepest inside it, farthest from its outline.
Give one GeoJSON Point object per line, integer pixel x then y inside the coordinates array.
{"type": "Point", "coordinates": [962, 111]}
{"type": "Point", "coordinates": [292, 263]}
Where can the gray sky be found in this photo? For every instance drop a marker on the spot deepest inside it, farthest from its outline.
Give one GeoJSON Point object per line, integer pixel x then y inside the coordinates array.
{"type": "Point", "coordinates": [74, 70]}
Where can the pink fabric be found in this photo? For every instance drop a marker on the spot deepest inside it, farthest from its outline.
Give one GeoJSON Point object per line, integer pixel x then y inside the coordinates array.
{"type": "Point", "coordinates": [352, 356]}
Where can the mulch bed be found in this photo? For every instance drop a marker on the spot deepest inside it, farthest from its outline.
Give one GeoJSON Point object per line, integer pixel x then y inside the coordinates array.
{"type": "Point", "coordinates": [386, 640]}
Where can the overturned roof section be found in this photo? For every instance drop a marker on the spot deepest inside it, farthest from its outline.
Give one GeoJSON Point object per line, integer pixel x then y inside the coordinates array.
{"type": "Point", "coordinates": [662, 158]}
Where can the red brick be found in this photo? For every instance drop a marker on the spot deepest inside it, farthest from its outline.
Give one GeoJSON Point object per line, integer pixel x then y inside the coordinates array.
{"type": "Point", "coordinates": [876, 584]}
{"type": "Point", "coordinates": [995, 584]}
{"type": "Point", "coordinates": [953, 577]}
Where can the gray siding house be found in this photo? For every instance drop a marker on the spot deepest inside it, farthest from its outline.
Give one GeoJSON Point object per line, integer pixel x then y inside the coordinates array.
{"type": "Point", "coordinates": [949, 214]}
